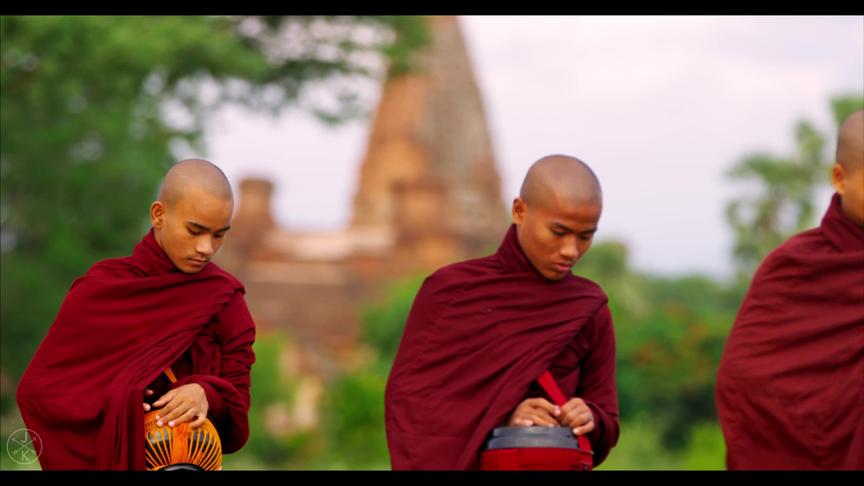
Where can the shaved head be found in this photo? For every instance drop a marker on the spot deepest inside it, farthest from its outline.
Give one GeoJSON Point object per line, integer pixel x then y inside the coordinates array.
{"type": "Point", "coordinates": [192, 214]}
{"type": "Point", "coordinates": [193, 175]}
{"type": "Point", "coordinates": [562, 177]}
{"type": "Point", "coordinates": [847, 175]}
{"type": "Point", "coordinates": [850, 142]}
{"type": "Point", "coordinates": [557, 213]}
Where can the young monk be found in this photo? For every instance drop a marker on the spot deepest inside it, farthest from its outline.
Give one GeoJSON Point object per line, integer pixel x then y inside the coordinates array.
{"type": "Point", "coordinates": [790, 387]}
{"type": "Point", "coordinates": [101, 365]}
{"type": "Point", "coordinates": [482, 331]}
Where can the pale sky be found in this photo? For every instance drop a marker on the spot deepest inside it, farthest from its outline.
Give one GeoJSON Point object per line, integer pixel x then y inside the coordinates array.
{"type": "Point", "coordinates": [659, 107]}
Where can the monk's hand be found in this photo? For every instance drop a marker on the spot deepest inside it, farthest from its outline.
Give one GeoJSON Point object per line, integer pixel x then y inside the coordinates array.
{"type": "Point", "coordinates": [535, 411]}
{"type": "Point", "coordinates": [576, 415]}
{"type": "Point", "coordinates": [147, 393]}
{"type": "Point", "coordinates": [187, 403]}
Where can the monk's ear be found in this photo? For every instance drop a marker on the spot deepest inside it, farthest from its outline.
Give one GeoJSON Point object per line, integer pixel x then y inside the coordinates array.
{"type": "Point", "coordinates": [838, 176]}
{"type": "Point", "coordinates": [157, 214]}
{"type": "Point", "coordinates": [518, 211]}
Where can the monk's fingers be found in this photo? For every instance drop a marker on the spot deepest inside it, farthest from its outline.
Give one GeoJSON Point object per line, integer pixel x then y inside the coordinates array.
{"type": "Point", "coordinates": [177, 414]}
{"type": "Point", "coordinates": [573, 409]}
{"type": "Point", "coordinates": [545, 405]}
{"type": "Point", "coordinates": [199, 421]}
{"type": "Point", "coordinates": [518, 419]}
{"type": "Point", "coordinates": [165, 398]}
{"type": "Point", "coordinates": [575, 418]}
{"type": "Point", "coordinates": [573, 404]}
{"type": "Point", "coordinates": [543, 419]}
{"type": "Point", "coordinates": [187, 416]}
{"type": "Point", "coordinates": [584, 429]}
{"type": "Point", "coordinates": [569, 418]}
{"type": "Point", "coordinates": [171, 411]}
{"type": "Point", "coordinates": [147, 393]}
{"type": "Point", "coordinates": [586, 417]}
{"type": "Point", "coordinates": [535, 411]}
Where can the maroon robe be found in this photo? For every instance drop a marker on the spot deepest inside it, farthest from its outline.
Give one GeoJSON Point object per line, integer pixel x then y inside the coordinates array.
{"type": "Point", "coordinates": [790, 387]}
{"type": "Point", "coordinates": [119, 326]}
{"type": "Point", "coordinates": [479, 334]}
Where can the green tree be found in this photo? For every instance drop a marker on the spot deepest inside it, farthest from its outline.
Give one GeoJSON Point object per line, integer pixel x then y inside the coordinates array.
{"type": "Point", "coordinates": [384, 321]}
{"type": "Point", "coordinates": [354, 422]}
{"type": "Point", "coordinates": [669, 334]}
{"type": "Point", "coordinates": [782, 200]}
{"type": "Point", "coordinates": [93, 108]}
{"type": "Point", "coordinates": [354, 402]}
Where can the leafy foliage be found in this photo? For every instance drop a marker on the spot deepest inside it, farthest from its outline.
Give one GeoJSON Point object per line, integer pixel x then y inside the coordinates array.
{"type": "Point", "coordinates": [782, 189]}
{"type": "Point", "coordinates": [94, 107]}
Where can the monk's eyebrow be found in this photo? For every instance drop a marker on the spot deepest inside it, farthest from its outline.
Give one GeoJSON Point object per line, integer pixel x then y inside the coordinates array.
{"type": "Point", "coordinates": [566, 228]}
{"type": "Point", "coordinates": [563, 227]}
{"type": "Point", "coordinates": [201, 227]}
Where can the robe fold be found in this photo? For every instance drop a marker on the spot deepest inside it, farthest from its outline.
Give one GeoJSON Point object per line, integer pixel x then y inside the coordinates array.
{"type": "Point", "coordinates": [479, 334]}
{"type": "Point", "coordinates": [790, 386]}
{"type": "Point", "coordinates": [119, 327]}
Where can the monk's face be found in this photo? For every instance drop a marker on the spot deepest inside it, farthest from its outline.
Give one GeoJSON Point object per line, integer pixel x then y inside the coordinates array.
{"type": "Point", "coordinates": [192, 229]}
{"type": "Point", "coordinates": [555, 234]}
{"type": "Point", "coordinates": [849, 184]}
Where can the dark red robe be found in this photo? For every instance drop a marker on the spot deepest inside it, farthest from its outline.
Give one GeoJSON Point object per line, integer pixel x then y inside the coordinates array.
{"type": "Point", "coordinates": [790, 387]}
{"type": "Point", "coordinates": [479, 334]}
{"type": "Point", "coordinates": [119, 326]}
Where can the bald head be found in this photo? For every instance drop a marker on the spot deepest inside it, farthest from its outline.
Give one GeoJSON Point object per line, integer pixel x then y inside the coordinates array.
{"type": "Point", "coordinates": [847, 175]}
{"type": "Point", "coordinates": [850, 143]}
{"type": "Point", "coordinates": [192, 214]}
{"type": "Point", "coordinates": [557, 213]}
{"type": "Point", "coordinates": [191, 176]}
{"type": "Point", "coordinates": [560, 177]}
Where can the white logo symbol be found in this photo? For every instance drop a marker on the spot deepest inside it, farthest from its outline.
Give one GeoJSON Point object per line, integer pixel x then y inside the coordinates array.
{"type": "Point", "coordinates": [24, 446]}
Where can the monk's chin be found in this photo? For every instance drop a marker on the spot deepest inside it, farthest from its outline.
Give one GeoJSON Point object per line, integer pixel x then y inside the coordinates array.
{"type": "Point", "coordinates": [191, 267]}
{"type": "Point", "coordinates": [191, 271]}
{"type": "Point", "coordinates": [555, 275]}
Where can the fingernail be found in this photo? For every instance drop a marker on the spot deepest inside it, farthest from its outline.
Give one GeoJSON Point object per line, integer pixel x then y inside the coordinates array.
{"type": "Point", "coordinates": [146, 407]}
{"type": "Point", "coordinates": [159, 423]}
{"type": "Point", "coordinates": [557, 411]}
{"type": "Point", "coordinates": [171, 424]}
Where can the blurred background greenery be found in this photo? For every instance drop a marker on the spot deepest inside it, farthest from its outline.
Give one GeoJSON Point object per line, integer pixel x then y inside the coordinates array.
{"type": "Point", "coordinates": [94, 107]}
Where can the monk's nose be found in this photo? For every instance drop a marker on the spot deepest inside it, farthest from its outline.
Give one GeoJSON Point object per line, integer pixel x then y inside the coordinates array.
{"type": "Point", "coordinates": [204, 246]}
{"type": "Point", "coordinates": [570, 251]}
